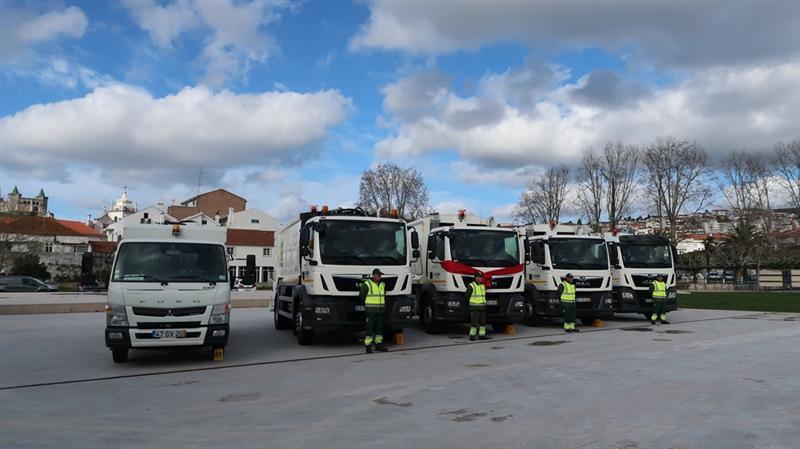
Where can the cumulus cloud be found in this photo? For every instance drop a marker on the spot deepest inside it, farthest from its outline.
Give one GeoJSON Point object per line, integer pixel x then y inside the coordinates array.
{"type": "Point", "coordinates": [23, 30]}
{"type": "Point", "coordinates": [672, 33]}
{"type": "Point", "coordinates": [120, 127]}
{"type": "Point", "coordinates": [234, 37]}
{"type": "Point", "coordinates": [720, 108]}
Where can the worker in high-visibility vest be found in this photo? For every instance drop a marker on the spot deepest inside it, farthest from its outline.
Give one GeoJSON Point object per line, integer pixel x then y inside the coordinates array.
{"type": "Point", "coordinates": [373, 295]}
{"type": "Point", "coordinates": [566, 292]}
{"type": "Point", "coordinates": [658, 291]}
{"type": "Point", "coordinates": [476, 298]}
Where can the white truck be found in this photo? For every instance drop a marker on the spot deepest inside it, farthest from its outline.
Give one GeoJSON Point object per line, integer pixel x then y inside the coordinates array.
{"type": "Point", "coordinates": [324, 255]}
{"type": "Point", "coordinates": [453, 248]}
{"type": "Point", "coordinates": [169, 286]}
{"type": "Point", "coordinates": [556, 250]}
{"type": "Point", "coordinates": [636, 260]}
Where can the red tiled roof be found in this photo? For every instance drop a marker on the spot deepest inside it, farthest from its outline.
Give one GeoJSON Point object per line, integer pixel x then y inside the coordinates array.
{"type": "Point", "coordinates": [715, 236]}
{"type": "Point", "coordinates": [81, 228]}
{"type": "Point", "coordinates": [249, 237]}
{"type": "Point", "coordinates": [35, 225]}
{"type": "Point", "coordinates": [102, 246]}
{"type": "Point", "coordinates": [787, 233]}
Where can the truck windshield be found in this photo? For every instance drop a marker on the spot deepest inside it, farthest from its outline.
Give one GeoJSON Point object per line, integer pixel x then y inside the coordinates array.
{"type": "Point", "coordinates": [170, 262]}
{"type": "Point", "coordinates": [646, 256]}
{"type": "Point", "coordinates": [484, 248]}
{"type": "Point", "coordinates": [578, 254]}
{"type": "Point", "coordinates": [351, 242]}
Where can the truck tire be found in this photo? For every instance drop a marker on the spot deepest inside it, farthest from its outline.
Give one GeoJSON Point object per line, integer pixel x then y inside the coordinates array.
{"type": "Point", "coordinates": [426, 316]}
{"type": "Point", "coordinates": [281, 322]}
{"type": "Point", "coordinates": [120, 355]}
{"type": "Point", "coordinates": [304, 336]}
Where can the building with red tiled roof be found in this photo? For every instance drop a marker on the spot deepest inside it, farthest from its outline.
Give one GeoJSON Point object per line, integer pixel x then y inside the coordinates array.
{"type": "Point", "coordinates": [261, 244]}
{"type": "Point", "coordinates": [82, 228]}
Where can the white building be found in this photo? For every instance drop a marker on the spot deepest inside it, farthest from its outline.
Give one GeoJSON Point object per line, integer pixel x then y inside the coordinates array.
{"type": "Point", "coordinates": [251, 219]}
{"type": "Point", "coordinates": [115, 231]}
{"type": "Point", "coordinates": [261, 244]}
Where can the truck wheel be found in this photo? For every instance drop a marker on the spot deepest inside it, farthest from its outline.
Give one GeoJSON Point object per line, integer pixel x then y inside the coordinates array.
{"type": "Point", "coordinates": [281, 322]}
{"type": "Point", "coordinates": [120, 355]}
{"type": "Point", "coordinates": [428, 319]}
{"type": "Point", "coordinates": [531, 317]}
{"type": "Point", "coordinates": [304, 336]}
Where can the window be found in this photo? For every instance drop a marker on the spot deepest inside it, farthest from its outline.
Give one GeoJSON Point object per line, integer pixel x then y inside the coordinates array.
{"type": "Point", "coordinates": [80, 249]}
{"type": "Point", "coordinates": [440, 246]}
{"type": "Point", "coordinates": [267, 251]}
{"type": "Point", "coordinates": [48, 247]}
{"type": "Point", "coordinates": [255, 221]}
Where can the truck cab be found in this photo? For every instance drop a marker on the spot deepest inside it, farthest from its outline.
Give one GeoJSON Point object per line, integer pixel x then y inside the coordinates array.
{"type": "Point", "coordinates": [556, 250]}
{"type": "Point", "coordinates": [324, 256]}
{"type": "Point", "coordinates": [169, 286]}
{"type": "Point", "coordinates": [453, 248]}
{"type": "Point", "coordinates": [636, 260]}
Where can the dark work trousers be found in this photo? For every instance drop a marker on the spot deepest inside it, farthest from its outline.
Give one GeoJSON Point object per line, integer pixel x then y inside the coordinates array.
{"type": "Point", "coordinates": [477, 320]}
{"type": "Point", "coordinates": [569, 314]}
{"type": "Point", "coordinates": [374, 328]}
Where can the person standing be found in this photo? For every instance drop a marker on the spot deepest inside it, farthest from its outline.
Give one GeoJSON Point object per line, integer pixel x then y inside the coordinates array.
{"type": "Point", "coordinates": [658, 291]}
{"type": "Point", "coordinates": [566, 292]}
{"type": "Point", "coordinates": [373, 295]}
{"type": "Point", "coordinates": [476, 297]}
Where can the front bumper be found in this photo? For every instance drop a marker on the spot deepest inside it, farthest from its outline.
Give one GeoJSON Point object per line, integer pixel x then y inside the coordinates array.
{"type": "Point", "coordinates": [500, 307]}
{"type": "Point", "coordinates": [348, 313]}
{"type": "Point", "coordinates": [587, 304]}
{"type": "Point", "coordinates": [132, 337]}
{"type": "Point", "coordinates": [627, 300]}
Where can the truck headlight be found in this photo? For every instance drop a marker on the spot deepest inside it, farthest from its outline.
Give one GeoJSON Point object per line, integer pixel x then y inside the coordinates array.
{"type": "Point", "coordinates": [116, 315]}
{"type": "Point", "coordinates": [554, 301]}
{"type": "Point", "coordinates": [405, 309]}
{"type": "Point", "coordinates": [627, 295]}
{"type": "Point", "coordinates": [220, 314]}
{"type": "Point", "coordinates": [453, 303]}
{"type": "Point", "coordinates": [322, 310]}
{"type": "Point", "coordinates": [518, 304]}
{"type": "Point", "coordinates": [672, 295]}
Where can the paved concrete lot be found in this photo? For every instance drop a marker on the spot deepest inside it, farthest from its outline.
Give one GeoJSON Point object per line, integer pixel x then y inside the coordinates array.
{"type": "Point", "coordinates": [713, 379]}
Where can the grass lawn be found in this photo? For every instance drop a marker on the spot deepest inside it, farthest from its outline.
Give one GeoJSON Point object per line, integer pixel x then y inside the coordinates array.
{"type": "Point", "coordinates": [755, 301]}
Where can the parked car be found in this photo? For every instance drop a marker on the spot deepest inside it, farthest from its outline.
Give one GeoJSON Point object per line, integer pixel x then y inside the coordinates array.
{"type": "Point", "coordinates": [93, 286]}
{"type": "Point", "coordinates": [24, 284]}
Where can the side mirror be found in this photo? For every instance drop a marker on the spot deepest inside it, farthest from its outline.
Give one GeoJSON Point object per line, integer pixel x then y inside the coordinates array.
{"type": "Point", "coordinates": [415, 240]}
{"type": "Point", "coordinates": [305, 251]}
{"type": "Point", "coordinates": [231, 280]}
{"type": "Point", "coordinates": [430, 255]}
{"type": "Point", "coordinates": [415, 254]}
{"type": "Point", "coordinates": [527, 253]}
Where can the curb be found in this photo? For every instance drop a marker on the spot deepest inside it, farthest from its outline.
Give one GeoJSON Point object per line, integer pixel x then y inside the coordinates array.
{"type": "Point", "coordinates": [88, 307]}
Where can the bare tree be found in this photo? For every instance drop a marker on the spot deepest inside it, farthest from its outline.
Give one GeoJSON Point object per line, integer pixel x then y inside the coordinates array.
{"type": "Point", "coordinates": [677, 173]}
{"type": "Point", "coordinates": [745, 179]}
{"type": "Point", "coordinates": [620, 169]}
{"type": "Point", "coordinates": [389, 186]}
{"type": "Point", "coordinates": [591, 187]}
{"type": "Point", "coordinates": [786, 160]}
{"type": "Point", "coordinates": [543, 200]}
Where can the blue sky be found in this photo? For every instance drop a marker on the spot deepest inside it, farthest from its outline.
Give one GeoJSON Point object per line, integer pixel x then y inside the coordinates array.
{"type": "Point", "coordinates": [286, 103]}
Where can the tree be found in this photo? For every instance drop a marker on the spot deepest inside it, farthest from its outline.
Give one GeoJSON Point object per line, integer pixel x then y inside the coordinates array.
{"type": "Point", "coordinates": [740, 246]}
{"type": "Point", "coordinates": [543, 200]}
{"type": "Point", "coordinates": [745, 180]}
{"type": "Point", "coordinates": [620, 170]}
{"type": "Point", "coordinates": [786, 161]}
{"type": "Point", "coordinates": [591, 187]}
{"type": "Point", "coordinates": [389, 186]}
{"type": "Point", "coordinates": [677, 172]}
{"type": "Point", "coordinates": [29, 265]}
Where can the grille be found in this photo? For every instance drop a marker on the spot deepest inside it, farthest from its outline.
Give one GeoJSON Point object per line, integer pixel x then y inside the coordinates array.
{"type": "Point", "coordinates": [162, 312]}
{"type": "Point", "coordinates": [170, 325]}
{"type": "Point", "coordinates": [504, 282]}
{"type": "Point", "coordinates": [345, 284]}
{"type": "Point", "coordinates": [642, 281]}
{"type": "Point", "coordinates": [582, 282]}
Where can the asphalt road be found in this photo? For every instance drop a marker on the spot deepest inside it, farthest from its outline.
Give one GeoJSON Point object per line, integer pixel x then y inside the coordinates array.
{"type": "Point", "coordinates": [712, 379]}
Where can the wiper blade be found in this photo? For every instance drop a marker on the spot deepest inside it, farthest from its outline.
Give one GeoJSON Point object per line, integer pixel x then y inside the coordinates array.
{"type": "Point", "coordinates": [143, 276]}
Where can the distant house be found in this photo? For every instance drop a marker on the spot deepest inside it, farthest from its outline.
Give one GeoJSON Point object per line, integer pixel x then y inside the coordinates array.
{"type": "Point", "coordinates": [214, 203]}
{"type": "Point", "coordinates": [244, 242]}
{"type": "Point", "coordinates": [149, 215]}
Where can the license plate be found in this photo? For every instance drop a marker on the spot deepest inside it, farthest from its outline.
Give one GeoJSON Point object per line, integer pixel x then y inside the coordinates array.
{"type": "Point", "coordinates": [360, 308]}
{"type": "Point", "coordinates": [584, 299]}
{"type": "Point", "coordinates": [648, 300]}
{"type": "Point", "coordinates": [169, 333]}
{"type": "Point", "coordinates": [491, 302]}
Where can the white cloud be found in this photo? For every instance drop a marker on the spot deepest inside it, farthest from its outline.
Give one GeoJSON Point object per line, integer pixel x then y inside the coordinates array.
{"type": "Point", "coordinates": [120, 127]}
{"type": "Point", "coordinates": [671, 33]}
{"type": "Point", "coordinates": [23, 30]}
{"type": "Point", "coordinates": [234, 37]}
{"type": "Point", "coordinates": [722, 109]}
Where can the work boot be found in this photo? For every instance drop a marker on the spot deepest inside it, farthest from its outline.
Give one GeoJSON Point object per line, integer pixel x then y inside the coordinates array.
{"type": "Point", "coordinates": [567, 330]}
{"type": "Point", "coordinates": [381, 347]}
{"type": "Point", "coordinates": [664, 322]}
{"type": "Point", "coordinates": [484, 337]}
{"type": "Point", "coordinates": [370, 349]}
{"type": "Point", "coordinates": [576, 330]}
{"type": "Point", "coordinates": [653, 321]}
{"type": "Point", "coordinates": [473, 337]}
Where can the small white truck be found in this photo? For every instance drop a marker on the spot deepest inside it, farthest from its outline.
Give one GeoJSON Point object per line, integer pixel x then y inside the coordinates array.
{"type": "Point", "coordinates": [324, 255]}
{"type": "Point", "coordinates": [636, 260]}
{"type": "Point", "coordinates": [556, 250]}
{"type": "Point", "coordinates": [169, 286]}
{"type": "Point", "coordinates": [453, 248]}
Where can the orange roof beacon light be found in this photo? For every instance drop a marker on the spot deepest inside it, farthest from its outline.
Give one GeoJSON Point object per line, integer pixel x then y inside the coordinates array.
{"type": "Point", "coordinates": [394, 212]}
{"type": "Point", "coordinates": [325, 209]}
{"type": "Point", "coordinates": [313, 208]}
{"type": "Point", "coordinates": [462, 214]}
{"type": "Point", "coordinates": [176, 229]}
{"type": "Point", "coordinates": [614, 231]}
{"type": "Point", "coordinates": [552, 224]}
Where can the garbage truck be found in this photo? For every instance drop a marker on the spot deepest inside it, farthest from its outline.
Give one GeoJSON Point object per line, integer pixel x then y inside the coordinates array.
{"type": "Point", "coordinates": [169, 286]}
{"type": "Point", "coordinates": [556, 250]}
{"type": "Point", "coordinates": [456, 246]}
{"type": "Point", "coordinates": [324, 254]}
{"type": "Point", "coordinates": [636, 260]}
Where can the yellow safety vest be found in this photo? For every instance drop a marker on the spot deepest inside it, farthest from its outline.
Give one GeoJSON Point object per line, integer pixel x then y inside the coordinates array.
{"type": "Point", "coordinates": [376, 294]}
{"type": "Point", "coordinates": [568, 294]}
{"type": "Point", "coordinates": [478, 296]}
{"type": "Point", "coordinates": [659, 290]}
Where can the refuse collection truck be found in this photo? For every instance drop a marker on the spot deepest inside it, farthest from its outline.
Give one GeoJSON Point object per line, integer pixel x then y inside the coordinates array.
{"type": "Point", "coordinates": [323, 256]}
{"type": "Point", "coordinates": [556, 250]}
{"type": "Point", "coordinates": [169, 286]}
{"type": "Point", "coordinates": [636, 260]}
{"type": "Point", "coordinates": [455, 247]}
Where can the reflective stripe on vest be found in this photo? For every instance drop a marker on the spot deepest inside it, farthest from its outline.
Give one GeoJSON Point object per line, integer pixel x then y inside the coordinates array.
{"type": "Point", "coordinates": [478, 296]}
{"type": "Point", "coordinates": [659, 289]}
{"type": "Point", "coordinates": [568, 294]}
{"type": "Point", "coordinates": [376, 294]}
